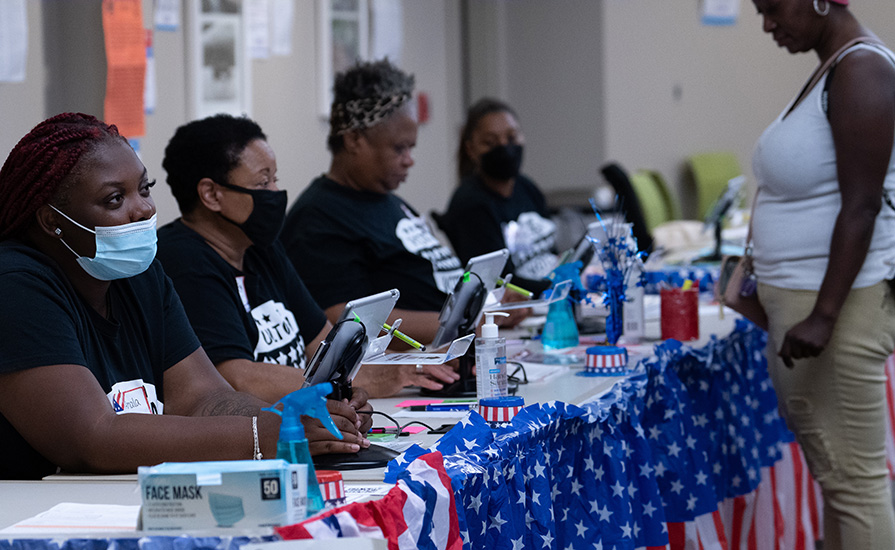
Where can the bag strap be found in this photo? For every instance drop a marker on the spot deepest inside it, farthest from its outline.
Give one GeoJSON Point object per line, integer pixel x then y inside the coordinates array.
{"type": "Point", "coordinates": [825, 96]}
{"type": "Point", "coordinates": [751, 217]}
{"type": "Point", "coordinates": [822, 68]}
{"type": "Point", "coordinates": [825, 99]}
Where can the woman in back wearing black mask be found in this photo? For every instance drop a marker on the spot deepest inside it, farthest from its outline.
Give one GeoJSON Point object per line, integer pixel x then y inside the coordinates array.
{"type": "Point", "coordinates": [496, 206]}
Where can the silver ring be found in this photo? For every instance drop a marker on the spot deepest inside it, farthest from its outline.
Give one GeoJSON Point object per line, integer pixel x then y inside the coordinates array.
{"type": "Point", "coordinates": [419, 369]}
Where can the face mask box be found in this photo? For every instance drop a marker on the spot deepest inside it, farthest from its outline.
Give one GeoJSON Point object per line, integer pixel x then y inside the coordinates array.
{"type": "Point", "coordinates": [181, 496]}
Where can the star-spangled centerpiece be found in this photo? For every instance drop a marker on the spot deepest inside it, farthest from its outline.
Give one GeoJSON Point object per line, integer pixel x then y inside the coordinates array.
{"type": "Point", "coordinates": [622, 265]}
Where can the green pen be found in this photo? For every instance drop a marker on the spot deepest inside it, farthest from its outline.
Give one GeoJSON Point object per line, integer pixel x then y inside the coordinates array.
{"type": "Point", "coordinates": [514, 288]}
{"type": "Point", "coordinates": [404, 338]}
{"type": "Point", "coordinates": [399, 335]}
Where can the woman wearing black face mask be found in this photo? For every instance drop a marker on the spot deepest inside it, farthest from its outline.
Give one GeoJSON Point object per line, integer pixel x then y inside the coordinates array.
{"type": "Point", "coordinates": [255, 318]}
{"type": "Point", "coordinates": [496, 206]}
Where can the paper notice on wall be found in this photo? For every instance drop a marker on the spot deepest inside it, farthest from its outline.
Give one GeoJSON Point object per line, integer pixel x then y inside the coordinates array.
{"type": "Point", "coordinates": [258, 19]}
{"type": "Point", "coordinates": [720, 12]}
{"type": "Point", "coordinates": [387, 32]}
{"type": "Point", "coordinates": [167, 15]}
{"type": "Point", "coordinates": [13, 40]}
{"type": "Point", "coordinates": [125, 41]}
{"type": "Point", "coordinates": [283, 14]}
{"type": "Point", "coordinates": [150, 93]}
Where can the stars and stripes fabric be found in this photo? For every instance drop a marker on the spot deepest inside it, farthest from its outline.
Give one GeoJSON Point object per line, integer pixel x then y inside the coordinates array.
{"type": "Point", "coordinates": [687, 452]}
{"type": "Point", "coordinates": [712, 418]}
{"type": "Point", "coordinates": [418, 512]}
{"type": "Point", "coordinates": [559, 476]}
{"type": "Point", "coordinates": [766, 498]}
{"type": "Point", "coordinates": [679, 442]}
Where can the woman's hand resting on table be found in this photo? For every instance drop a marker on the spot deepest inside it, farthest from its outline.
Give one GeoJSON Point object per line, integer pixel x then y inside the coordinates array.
{"type": "Point", "coordinates": [431, 377]}
{"type": "Point", "coordinates": [387, 380]}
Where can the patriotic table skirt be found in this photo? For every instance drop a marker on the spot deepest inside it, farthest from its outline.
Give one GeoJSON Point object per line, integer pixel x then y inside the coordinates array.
{"type": "Point", "coordinates": [686, 453]}
{"type": "Point", "coordinates": [633, 469]}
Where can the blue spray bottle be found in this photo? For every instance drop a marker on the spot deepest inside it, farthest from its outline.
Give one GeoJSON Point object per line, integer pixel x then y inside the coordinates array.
{"type": "Point", "coordinates": [560, 329]}
{"type": "Point", "coordinates": [293, 445]}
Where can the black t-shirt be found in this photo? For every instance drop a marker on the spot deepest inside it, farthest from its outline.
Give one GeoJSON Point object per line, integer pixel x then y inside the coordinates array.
{"type": "Point", "coordinates": [44, 321]}
{"type": "Point", "coordinates": [479, 221]}
{"type": "Point", "coordinates": [347, 244]}
{"type": "Point", "coordinates": [263, 313]}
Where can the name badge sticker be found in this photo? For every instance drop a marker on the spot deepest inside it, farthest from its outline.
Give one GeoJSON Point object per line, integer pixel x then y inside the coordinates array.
{"type": "Point", "coordinates": [135, 396]}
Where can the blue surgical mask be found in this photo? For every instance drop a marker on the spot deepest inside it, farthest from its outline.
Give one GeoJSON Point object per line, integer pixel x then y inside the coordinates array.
{"type": "Point", "coordinates": [226, 509]}
{"type": "Point", "coordinates": [121, 251]}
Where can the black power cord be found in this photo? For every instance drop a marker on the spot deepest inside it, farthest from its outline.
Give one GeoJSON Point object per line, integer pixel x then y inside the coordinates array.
{"type": "Point", "coordinates": [398, 424]}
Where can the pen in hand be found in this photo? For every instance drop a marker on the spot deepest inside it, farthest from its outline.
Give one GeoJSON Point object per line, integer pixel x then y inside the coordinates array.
{"type": "Point", "coordinates": [514, 288]}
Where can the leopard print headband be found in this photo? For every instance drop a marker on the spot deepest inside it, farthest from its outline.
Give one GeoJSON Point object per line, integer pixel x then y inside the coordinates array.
{"type": "Point", "coordinates": [358, 114]}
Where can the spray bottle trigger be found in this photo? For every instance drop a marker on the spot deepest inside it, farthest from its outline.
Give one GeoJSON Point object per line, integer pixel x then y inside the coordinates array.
{"type": "Point", "coordinates": [309, 401]}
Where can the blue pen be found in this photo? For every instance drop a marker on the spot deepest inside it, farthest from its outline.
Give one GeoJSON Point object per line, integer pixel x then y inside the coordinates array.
{"type": "Point", "coordinates": [450, 406]}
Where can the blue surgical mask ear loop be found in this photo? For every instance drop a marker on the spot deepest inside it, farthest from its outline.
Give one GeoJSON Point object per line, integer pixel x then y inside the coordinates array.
{"type": "Point", "coordinates": [59, 231]}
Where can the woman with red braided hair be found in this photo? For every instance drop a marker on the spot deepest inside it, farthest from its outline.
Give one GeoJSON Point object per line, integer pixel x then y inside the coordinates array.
{"type": "Point", "coordinates": [92, 327]}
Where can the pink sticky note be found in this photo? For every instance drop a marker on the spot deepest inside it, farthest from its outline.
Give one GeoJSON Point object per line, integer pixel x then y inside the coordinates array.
{"type": "Point", "coordinates": [414, 429]}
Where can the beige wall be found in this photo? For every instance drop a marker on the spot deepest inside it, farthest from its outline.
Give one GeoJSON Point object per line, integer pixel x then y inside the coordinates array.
{"type": "Point", "coordinates": [674, 87]}
{"type": "Point", "coordinates": [640, 82]}
{"type": "Point", "coordinates": [544, 59]}
{"type": "Point", "coordinates": [284, 102]}
{"type": "Point", "coordinates": [284, 93]}
{"type": "Point", "coordinates": [22, 104]}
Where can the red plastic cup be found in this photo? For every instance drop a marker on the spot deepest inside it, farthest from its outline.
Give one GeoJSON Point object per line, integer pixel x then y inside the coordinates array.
{"type": "Point", "coordinates": [680, 314]}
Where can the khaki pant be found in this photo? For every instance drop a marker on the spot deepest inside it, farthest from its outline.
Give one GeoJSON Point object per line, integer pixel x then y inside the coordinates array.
{"type": "Point", "coordinates": [836, 405]}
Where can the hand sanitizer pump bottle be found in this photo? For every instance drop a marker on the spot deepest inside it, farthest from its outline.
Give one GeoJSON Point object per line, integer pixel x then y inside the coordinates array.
{"type": "Point", "coordinates": [491, 360]}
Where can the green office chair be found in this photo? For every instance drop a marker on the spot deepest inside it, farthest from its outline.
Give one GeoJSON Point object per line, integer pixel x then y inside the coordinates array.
{"type": "Point", "coordinates": [711, 172]}
{"type": "Point", "coordinates": [656, 202]}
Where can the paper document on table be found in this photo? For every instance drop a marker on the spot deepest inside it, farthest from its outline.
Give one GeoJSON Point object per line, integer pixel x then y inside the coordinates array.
{"type": "Point", "coordinates": [397, 445]}
{"type": "Point", "coordinates": [81, 518]}
{"type": "Point", "coordinates": [574, 356]}
{"type": "Point", "coordinates": [430, 414]}
{"type": "Point", "coordinates": [537, 372]}
{"type": "Point", "coordinates": [355, 492]}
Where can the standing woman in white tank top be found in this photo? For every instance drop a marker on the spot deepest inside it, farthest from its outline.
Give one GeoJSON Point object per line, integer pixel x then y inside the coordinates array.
{"type": "Point", "coordinates": [824, 241]}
